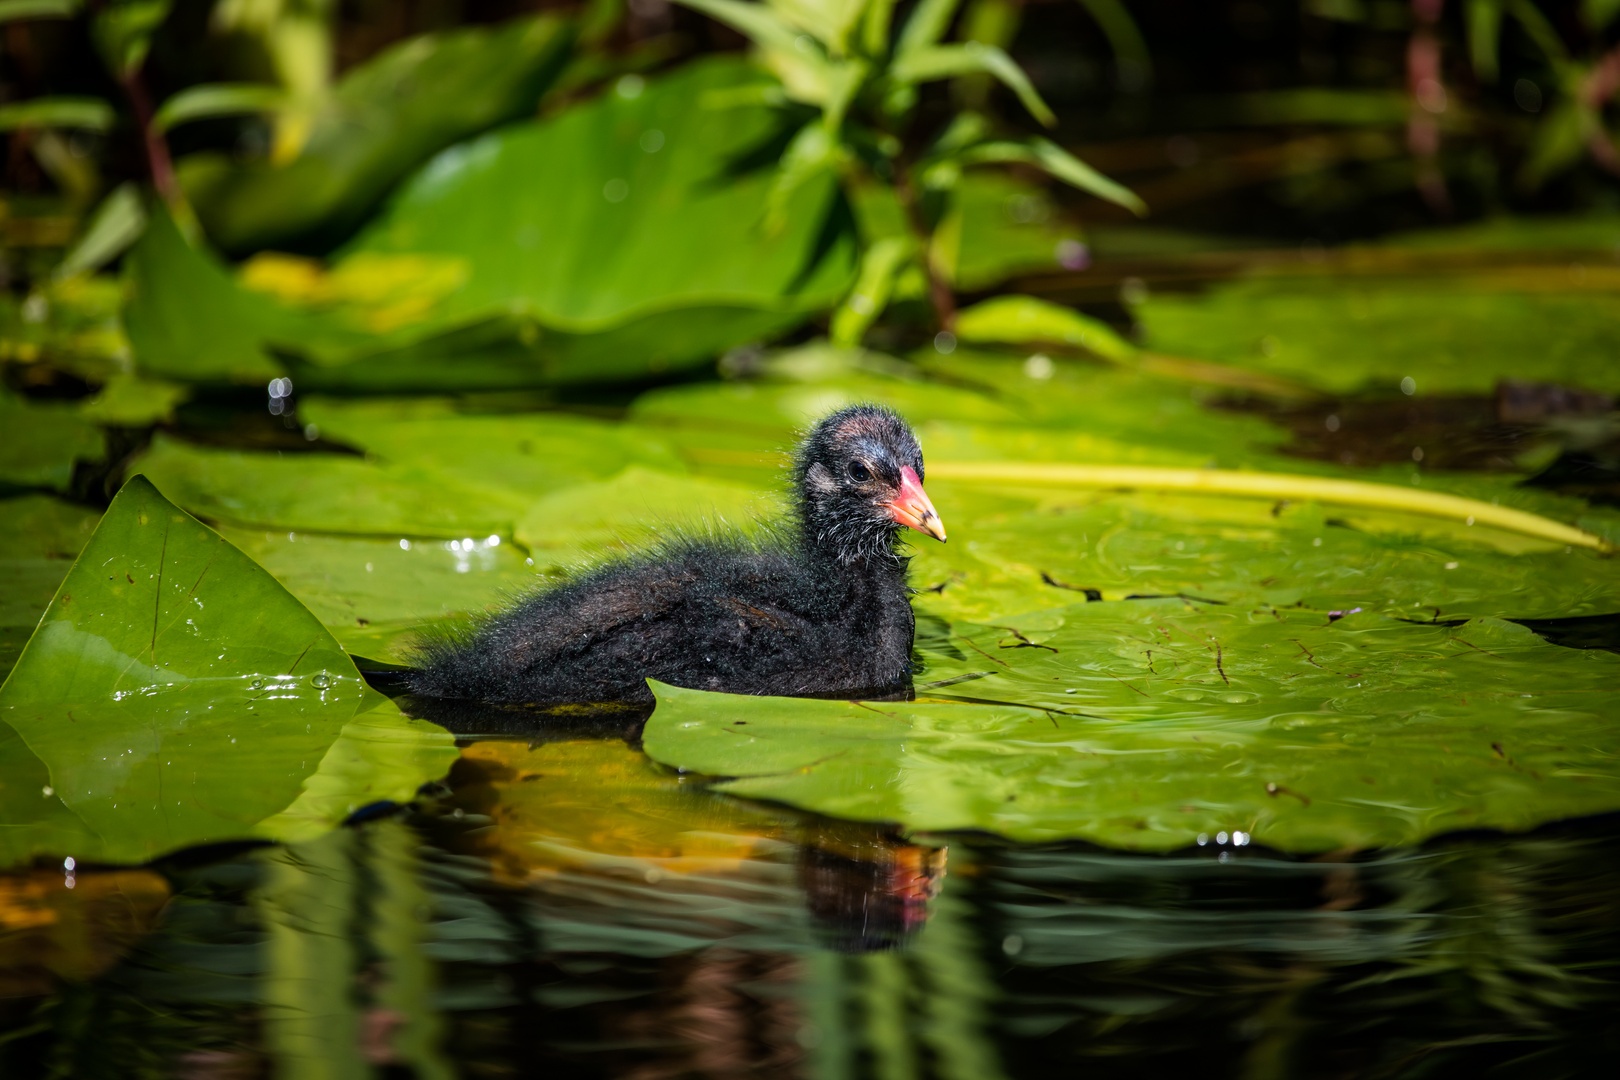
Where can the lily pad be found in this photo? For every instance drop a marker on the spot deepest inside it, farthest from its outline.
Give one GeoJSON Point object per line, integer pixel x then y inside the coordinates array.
{"type": "Point", "coordinates": [636, 506]}
{"type": "Point", "coordinates": [326, 492]}
{"type": "Point", "coordinates": [189, 319]}
{"type": "Point", "coordinates": [1146, 725]}
{"type": "Point", "coordinates": [131, 401]}
{"type": "Point", "coordinates": [42, 443]}
{"type": "Point", "coordinates": [1448, 335]}
{"type": "Point", "coordinates": [374, 593]}
{"type": "Point", "coordinates": [47, 534]}
{"type": "Point", "coordinates": [174, 694]}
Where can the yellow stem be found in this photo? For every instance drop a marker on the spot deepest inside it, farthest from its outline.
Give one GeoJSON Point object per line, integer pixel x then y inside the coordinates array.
{"type": "Point", "coordinates": [1270, 486]}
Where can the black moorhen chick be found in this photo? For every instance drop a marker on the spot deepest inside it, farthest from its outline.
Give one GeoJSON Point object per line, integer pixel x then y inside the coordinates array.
{"type": "Point", "coordinates": [818, 608]}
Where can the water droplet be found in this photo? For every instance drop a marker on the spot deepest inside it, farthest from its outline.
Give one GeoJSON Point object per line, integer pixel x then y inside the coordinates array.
{"type": "Point", "coordinates": [320, 680]}
{"type": "Point", "coordinates": [255, 684]}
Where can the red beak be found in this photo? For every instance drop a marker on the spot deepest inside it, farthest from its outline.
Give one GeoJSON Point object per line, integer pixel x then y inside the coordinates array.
{"type": "Point", "coordinates": [912, 509]}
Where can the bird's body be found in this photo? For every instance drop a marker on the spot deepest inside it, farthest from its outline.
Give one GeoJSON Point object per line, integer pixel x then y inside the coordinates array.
{"type": "Point", "coordinates": [818, 608]}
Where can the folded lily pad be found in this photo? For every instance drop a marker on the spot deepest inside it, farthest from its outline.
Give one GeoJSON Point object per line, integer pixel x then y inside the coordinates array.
{"type": "Point", "coordinates": [174, 694]}
{"type": "Point", "coordinates": [1148, 725]}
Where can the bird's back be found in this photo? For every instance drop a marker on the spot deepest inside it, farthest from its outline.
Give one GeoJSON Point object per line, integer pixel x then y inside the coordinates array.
{"type": "Point", "coordinates": [718, 613]}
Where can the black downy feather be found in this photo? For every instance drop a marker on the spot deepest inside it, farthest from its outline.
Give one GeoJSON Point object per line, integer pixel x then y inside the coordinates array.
{"type": "Point", "coordinates": [818, 606]}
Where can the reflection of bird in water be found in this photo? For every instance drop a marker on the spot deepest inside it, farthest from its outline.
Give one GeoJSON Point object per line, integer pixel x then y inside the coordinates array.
{"type": "Point", "coordinates": [819, 607]}
{"type": "Point", "coordinates": [868, 894]}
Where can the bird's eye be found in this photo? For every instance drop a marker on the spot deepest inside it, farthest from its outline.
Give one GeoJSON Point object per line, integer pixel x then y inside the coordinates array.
{"type": "Point", "coordinates": [859, 473]}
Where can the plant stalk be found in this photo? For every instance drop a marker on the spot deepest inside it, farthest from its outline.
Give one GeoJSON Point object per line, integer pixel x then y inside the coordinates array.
{"type": "Point", "coordinates": [158, 161]}
{"type": "Point", "coordinates": [1272, 486]}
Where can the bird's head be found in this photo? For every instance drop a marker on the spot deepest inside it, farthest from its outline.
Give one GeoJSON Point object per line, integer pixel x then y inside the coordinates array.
{"type": "Point", "coordinates": [858, 477]}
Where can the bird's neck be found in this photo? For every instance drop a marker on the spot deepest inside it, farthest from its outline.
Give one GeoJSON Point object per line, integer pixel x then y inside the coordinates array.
{"type": "Point", "coordinates": [873, 559]}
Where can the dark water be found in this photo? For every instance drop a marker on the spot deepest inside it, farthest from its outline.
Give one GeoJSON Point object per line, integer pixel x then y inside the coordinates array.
{"type": "Point", "coordinates": [565, 909]}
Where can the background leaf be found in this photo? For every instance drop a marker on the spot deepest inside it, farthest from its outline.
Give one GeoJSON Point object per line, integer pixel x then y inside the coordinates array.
{"type": "Point", "coordinates": [384, 119]}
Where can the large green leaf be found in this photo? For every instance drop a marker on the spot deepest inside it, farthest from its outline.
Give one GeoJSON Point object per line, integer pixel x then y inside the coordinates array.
{"type": "Point", "coordinates": [646, 220]}
{"type": "Point", "coordinates": [1149, 724]}
{"type": "Point", "coordinates": [189, 319]}
{"type": "Point", "coordinates": [384, 119]}
{"type": "Point", "coordinates": [177, 695]}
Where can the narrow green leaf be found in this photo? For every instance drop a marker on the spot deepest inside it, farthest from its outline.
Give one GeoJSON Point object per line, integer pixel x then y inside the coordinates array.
{"type": "Point", "coordinates": [91, 114]}
{"type": "Point", "coordinates": [1025, 320]}
{"type": "Point", "coordinates": [866, 301]}
{"type": "Point", "coordinates": [927, 25]}
{"type": "Point", "coordinates": [1484, 37]}
{"type": "Point", "coordinates": [122, 31]}
{"type": "Point", "coordinates": [116, 224]}
{"type": "Point", "coordinates": [1131, 53]}
{"type": "Point", "coordinates": [211, 100]}
{"type": "Point", "coordinates": [930, 62]}
{"type": "Point", "coordinates": [1598, 14]}
{"type": "Point", "coordinates": [1541, 31]}
{"type": "Point", "coordinates": [1557, 143]}
{"type": "Point", "coordinates": [875, 27]}
{"type": "Point", "coordinates": [754, 21]}
{"type": "Point", "coordinates": [1060, 164]}
{"type": "Point", "coordinates": [38, 9]}
{"type": "Point", "coordinates": [844, 83]}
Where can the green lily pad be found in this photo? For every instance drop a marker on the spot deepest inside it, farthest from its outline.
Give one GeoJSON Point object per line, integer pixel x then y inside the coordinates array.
{"type": "Point", "coordinates": [1146, 725]}
{"type": "Point", "coordinates": [1015, 551]}
{"type": "Point", "coordinates": [528, 453]}
{"type": "Point", "coordinates": [131, 401]}
{"type": "Point", "coordinates": [177, 695]}
{"type": "Point", "coordinates": [42, 443]}
{"type": "Point", "coordinates": [326, 492]}
{"type": "Point", "coordinates": [430, 471]}
{"type": "Point", "coordinates": [1449, 336]}
{"type": "Point", "coordinates": [375, 594]}
{"type": "Point", "coordinates": [384, 118]}
{"type": "Point", "coordinates": [636, 506]}
{"type": "Point", "coordinates": [188, 318]}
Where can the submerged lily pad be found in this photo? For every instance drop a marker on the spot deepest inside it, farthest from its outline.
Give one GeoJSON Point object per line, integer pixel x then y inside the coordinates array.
{"type": "Point", "coordinates": [174, 694]}
{"type": "Point", "coordinates": [1149, 724]}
